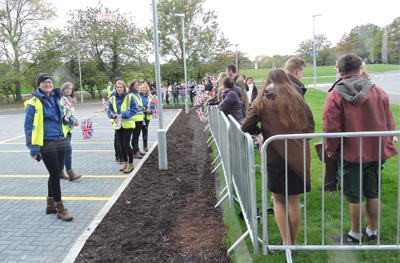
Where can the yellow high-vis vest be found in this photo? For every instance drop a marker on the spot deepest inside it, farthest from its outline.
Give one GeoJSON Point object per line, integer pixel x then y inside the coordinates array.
{"type": "Point", "coordinates": [139, 115]}
{"type": "Point", "coordinates": [126, 105]}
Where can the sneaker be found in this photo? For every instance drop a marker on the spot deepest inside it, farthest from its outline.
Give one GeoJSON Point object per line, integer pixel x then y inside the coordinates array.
{"type": "Point", "coordinates": [369, 237]}
{"type": "Point", "coordinates": [145, 149]}
{"type": "Point", "coordinates": [137, 156]}
{"type": "Point", "coordinates": [347, 239]}
{"type": "Point", "coordinates": [142, 153]}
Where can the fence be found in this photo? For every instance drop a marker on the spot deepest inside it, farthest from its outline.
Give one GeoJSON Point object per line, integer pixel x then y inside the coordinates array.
{"type": "Point", "coordinates": [264, 159]}
{"type": "Point", "coordinates": [237, 159]}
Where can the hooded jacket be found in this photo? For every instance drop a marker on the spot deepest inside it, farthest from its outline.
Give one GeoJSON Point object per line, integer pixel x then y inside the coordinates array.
{"type": "Point", "coordinates": [358, 105]}
{"type": "Point", "coordinates": [231, 103]}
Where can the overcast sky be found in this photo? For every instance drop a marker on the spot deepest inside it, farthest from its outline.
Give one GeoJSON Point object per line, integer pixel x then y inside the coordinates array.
{"type": "Point", "coordinates": [263, 27]}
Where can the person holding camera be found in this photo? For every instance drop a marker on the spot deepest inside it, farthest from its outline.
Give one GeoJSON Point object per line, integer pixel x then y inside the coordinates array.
{"type": "Point", "coordinates": [46, 140]}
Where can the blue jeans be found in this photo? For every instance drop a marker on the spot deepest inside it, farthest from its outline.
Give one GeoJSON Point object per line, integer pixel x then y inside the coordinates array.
{"type": "Point", "coordinates": [68, 153]}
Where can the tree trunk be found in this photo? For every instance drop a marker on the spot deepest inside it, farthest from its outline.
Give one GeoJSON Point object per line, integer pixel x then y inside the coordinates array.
{"type": "Point", "coordinates": [18, 97]}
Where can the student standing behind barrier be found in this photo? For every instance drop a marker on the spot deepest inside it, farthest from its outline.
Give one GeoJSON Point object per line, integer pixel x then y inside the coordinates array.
{"type": "Point", "coordinates": [175, 93]}
{"type": "Point", "coordinates": [123, 106]}
{"type": "Point", "coordinates": [294, 67]}
{"type": "Point", "coordinates": [45, 139]}
{"type": "Point", "coordinates": [356, 105]}
{"type": "Point", "coordinates": [239, 82]}
{"type": "Point", "coordinates": [134, 89]}
{"type": "Point", "coordinates": [282, 110]}
{"type": "Point", "coordinates": [148, 111]}
{"type": "Point", "coordinates": [230, 103]}
{"type": "Point", "coordinates": [68, 96]}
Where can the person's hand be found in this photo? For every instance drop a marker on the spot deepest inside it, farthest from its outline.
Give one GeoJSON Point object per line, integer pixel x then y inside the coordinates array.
{"type": "Point", "coordinates": [148, 111]}
{"type": "Point", "coordinates": [113, 115]}
{"type": "Point", "coordinates": [35, 157]}
{"type": "Point", "coordinates": [76, 123]}
{"type": "Point", "coordinates": [66, 119]}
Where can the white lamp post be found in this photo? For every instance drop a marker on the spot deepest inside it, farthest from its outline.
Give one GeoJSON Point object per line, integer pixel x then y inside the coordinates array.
{"type": "Point", "coordinates": [161, 133]}
{"type": "Point", "coordinates": [80, 75]}
{"type": "Point", "coordinates": [237, 66]}
{"type": "Point", "coordinates": [314, 54]}
{"type": "Point", "coordinates": [184, 61]}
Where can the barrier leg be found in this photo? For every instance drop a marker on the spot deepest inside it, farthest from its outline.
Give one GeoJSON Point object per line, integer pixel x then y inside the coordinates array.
{"type": "Point", "coordinates": [216, 168]}
{"type": "Point", "coordinates": [222, 200]}
{"type": "Point", "coordinates": [237, 243]}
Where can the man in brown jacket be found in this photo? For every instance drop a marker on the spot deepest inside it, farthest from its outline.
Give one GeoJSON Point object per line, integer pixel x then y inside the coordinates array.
{"type": "Point", "coordinates": [239, 82]}
{"type": "Point", "coordinates": [294, 67]}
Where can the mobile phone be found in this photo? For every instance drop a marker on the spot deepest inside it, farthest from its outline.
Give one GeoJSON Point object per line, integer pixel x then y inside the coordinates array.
{"type": "Point", "coordinates": [38, 157]}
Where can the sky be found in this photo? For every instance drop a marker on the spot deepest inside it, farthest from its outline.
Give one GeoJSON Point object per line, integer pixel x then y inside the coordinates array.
{"type": "Point", "coordinates": [262, 27]}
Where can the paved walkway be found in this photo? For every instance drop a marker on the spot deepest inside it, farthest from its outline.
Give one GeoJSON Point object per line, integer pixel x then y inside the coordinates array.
{"type": "Point", "coordinates": [27, 234]}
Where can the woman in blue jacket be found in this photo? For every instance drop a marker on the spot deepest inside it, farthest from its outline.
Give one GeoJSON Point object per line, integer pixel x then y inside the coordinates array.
{"type": "Point", "coordinates": [45, 139]}
{"type": "Point", "coordinates": [148, 113]}
{"type": "Point", "coordinates": [122, 109]}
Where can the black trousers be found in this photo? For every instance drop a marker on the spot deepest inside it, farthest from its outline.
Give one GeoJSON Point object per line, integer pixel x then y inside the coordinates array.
{"type": "Point", "coordinates": [145, 131]}
{"type": "Point", "coordinates": [53, 154]}
{"type": "Point", "coordinates": [117, 148]}
{"type": "Point", "coordinates": [136, 135]}
{"type": "Point", "coordinates": [124, 137]}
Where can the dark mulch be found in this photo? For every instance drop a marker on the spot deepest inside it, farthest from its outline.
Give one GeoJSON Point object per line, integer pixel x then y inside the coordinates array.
{"type": "Point", "coordinates": [166, 216]}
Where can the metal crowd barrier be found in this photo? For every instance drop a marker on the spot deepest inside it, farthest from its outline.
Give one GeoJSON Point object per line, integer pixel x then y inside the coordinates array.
{"type": "Point", "coordinates": [220, 128]}
{"type": "Point", "coordinates": [243, 180]}
{"type": "Point", "coordinates": [265, 242]}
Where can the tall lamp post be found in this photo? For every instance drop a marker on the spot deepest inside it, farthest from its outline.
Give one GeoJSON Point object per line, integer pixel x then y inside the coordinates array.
{"type": "Point", "coordinates": [184, 61]}
{"type": "Point", "coordinates": [237, 66]}
{"type": "Point", "coordinates": [80, 74]}
{"type": "Point", "coordinates": [161, 133]}
{"type": "Point", "coordinates": [314, 54]}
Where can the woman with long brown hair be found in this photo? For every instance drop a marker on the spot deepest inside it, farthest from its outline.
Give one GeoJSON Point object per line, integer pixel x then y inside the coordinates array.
{"type": "Point", "coordinates": [282, 110]}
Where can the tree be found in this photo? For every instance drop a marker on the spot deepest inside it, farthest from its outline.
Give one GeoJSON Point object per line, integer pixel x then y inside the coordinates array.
{"type": "Point", "coordinates": [344, 46]}
{"type": "Point", "coordinates": [393, 43]}
{"type": "Point", "coordinates": [117, 46]}
{"type": "Point", "coordinates": [202, 38]}
{"type": "Point", "coordinates": [19, 32]}
{"type": "Point", "coordinates": [322, 46]}
{"type": "Point", "coordinates": [363, 39]}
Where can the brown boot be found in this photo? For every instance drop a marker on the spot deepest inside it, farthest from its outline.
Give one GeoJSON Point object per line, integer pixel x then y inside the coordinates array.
{"type": "Point", "coordinates": [73, 176]}
{"type": "Point", "coordinates": [62, 175]}
{"type": "Point", "coordinates": [62, 212]}
{"type": "Point", "coordinates": [124, 167]}
{"type": "Point", "coordinates": [129, 168]}
{"type": "Point", "coordinates": [51, 206]}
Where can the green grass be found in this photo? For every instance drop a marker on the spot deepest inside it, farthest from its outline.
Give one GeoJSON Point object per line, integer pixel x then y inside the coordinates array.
{"type": "Point", "coordinates": [316, 99]}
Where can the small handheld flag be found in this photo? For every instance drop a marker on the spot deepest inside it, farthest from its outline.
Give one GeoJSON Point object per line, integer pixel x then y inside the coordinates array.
{"type": "Point", "coordinates": [105, 106]}
{"type": "Point", "coordinates": [87, 129]}
{"type": "Point", "coordinates": [67, 106]}
{"type": "Point", "coordinates": [258, 140]}
{"type": "Point", "coordinates": [118, 121]}
{"type": "Point", "coordinates": [200, 114]}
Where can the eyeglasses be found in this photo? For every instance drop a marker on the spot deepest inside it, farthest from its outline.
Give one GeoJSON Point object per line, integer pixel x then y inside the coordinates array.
{"type": "Point", "coordinates": [47, 82]}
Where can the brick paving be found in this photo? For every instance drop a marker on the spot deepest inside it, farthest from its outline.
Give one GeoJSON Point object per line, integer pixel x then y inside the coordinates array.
{"type": "Point", "coordinates": [27, 234]}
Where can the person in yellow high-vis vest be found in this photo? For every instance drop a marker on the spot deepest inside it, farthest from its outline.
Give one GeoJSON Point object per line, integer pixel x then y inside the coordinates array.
{"type": "Point", "coordinates": [139, 117]}
{"type": "Point", "coordinates": [122, 109]}
{"type": "Point", "coordinates": [68, 103]}
{"type": "Point", "coordinates": [146, 96]}
{"type": "Point", "coordinates": [45, 139]}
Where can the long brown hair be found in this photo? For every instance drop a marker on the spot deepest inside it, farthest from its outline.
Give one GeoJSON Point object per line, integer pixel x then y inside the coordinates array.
{"type": "Point", "coordinates": [72, 96]}
{"type": "Point", "coordinates": [290, 104]}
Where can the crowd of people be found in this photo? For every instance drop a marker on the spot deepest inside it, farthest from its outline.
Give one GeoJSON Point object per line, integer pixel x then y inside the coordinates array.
{"type": "Point", "coordinates": [280, 107]}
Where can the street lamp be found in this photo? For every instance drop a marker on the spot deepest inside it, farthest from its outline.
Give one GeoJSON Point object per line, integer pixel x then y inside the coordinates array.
{"type": "Point", "coordinates": [237, 66]}
{"type": "Point", "coordinates": [161, 133]}
{"type": "Point", "coordinates": [184, 61]}
{"type": "Point", "coordinates": [80, 75]}
{"type": "Point", "coordinates": [314, 54]}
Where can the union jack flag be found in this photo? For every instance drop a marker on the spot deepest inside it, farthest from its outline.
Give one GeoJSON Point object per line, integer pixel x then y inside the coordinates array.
{"type": "Point", "coordinates": [105, 106]}
{"type": "Point", "coordinates": [211, 107]}
{"type": "Point", "coordinates": [155, 113]}
{"type": "Point", "coordinates": [87, 129]}
{"type": "Point", "coordinates": [198, 100]}
{"type": "Point", "coordinates": [118, 121]}
{"type": "Point", "coordinates": [68, 106]}
{"type": "Point", "coordinates": [200, 114]}
{"type": "Point", "coordinates": [154, 101]}
{"type": "Point", "coordinates": [258, 140]}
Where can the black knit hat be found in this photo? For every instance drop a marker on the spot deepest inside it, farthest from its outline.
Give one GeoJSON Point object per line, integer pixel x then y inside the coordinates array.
{"type": "Point", "coordinates": [116, 79]}
{"type": "Point", "coordinates": [43, 77]}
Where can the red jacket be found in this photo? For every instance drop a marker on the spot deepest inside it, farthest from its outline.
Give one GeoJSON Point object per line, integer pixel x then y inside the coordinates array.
{"type": "Point", "coordinates": [357, 105]}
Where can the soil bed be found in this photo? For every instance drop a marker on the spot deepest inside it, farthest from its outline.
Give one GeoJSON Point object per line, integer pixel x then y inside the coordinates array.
{"type": "Point", "coordinates": [166, 216]}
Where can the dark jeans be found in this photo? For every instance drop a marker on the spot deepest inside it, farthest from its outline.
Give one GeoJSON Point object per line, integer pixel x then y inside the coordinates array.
{"type": "Point", "coordinates": [166, 98]}
{"type": "Point", "coordinates": [68, 153]}
{"type": "Point", "coordinates": [191, 92]}
{"type": "Point", "coordinates": [124, 136]}
{"type": "Point", "coordinates": [136, 135]}
{"type": "Point", "coordinates": [53, 154]}
{"type": "Point", "coordinates": [117, 148]}
{"type": "Point", "coordinates": [145, 130]}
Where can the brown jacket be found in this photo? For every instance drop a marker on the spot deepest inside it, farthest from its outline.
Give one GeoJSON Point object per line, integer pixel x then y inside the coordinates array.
{"type": "Point", "coordinates": [270, 126]}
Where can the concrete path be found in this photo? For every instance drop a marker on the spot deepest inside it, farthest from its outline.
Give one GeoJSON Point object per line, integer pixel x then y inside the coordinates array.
{"type": "Point", "coordinates": [27, 234]}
